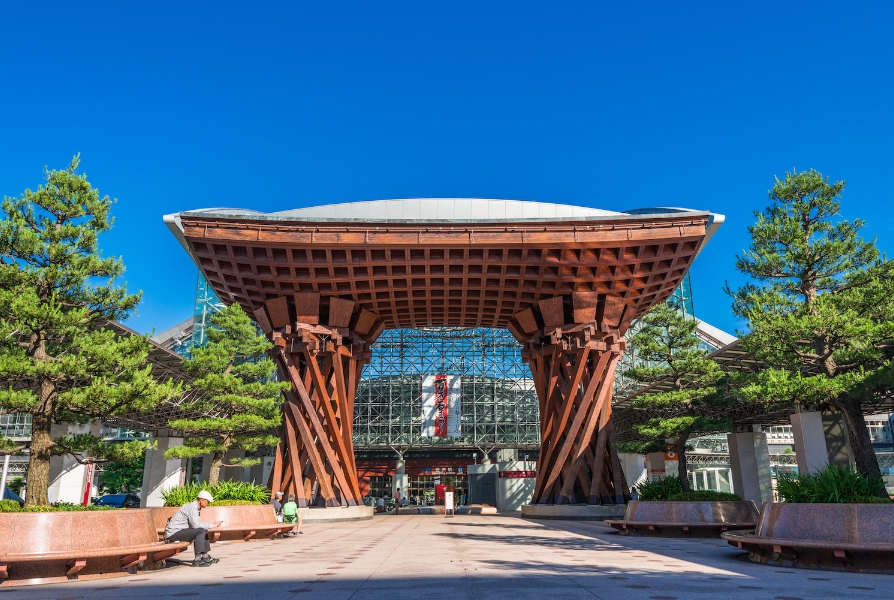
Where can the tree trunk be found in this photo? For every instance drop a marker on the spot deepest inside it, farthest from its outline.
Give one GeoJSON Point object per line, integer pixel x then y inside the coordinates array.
{"type": "Point", "coordinates": [864, 454]}
{"type": "Point", "coordinates": [682, 466]}
{"type": "Point", "coordinates": [214, 470]}
{"type": "Point", "coordinates": [39, 462]}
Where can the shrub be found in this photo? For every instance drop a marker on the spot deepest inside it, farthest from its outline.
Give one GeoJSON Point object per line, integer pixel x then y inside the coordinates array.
{"type": "Point", "coordinates": [234, 502]}
{"type": "Point", "coordinates": [831, 484]}
{"type": "Point", "coordinates": [65, 507]}
{"type": "Point", "coordinates": [872, 500]}
{"type": "Point", "coordinates": [17, 483]}
{"type": "Point", "coordinates": [224, 490]}
{"type": "Point", "coordinates": [9, 506]}
{"type": "Point", "coordinates": [705, 496]}
{"type": "Point", "coordinates": [660, 489]}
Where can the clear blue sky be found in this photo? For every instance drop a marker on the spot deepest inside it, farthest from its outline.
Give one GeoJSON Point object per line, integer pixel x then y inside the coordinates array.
{"type": "Point", "coordinates": [176, 106]}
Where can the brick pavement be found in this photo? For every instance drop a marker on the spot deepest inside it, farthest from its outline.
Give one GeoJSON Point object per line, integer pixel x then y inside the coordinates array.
{"type": "Point", "coordinates": [480, 557]}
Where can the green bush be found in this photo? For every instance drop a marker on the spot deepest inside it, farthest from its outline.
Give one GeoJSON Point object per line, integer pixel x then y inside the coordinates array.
{"type": "Point", "coordinates": [65, 507]}
{"type": "Point", "coordinates": [660, 489]}
{"type": "Point", "coordinates": [17, 483]}
{"type": "Point", "coordinates": [872, 500]}
{"type": "Point", "coordinates": [705, 496]}
{"type": "Point", "coordinates": [9, 506]}
{"type": "Point", "coordinates": [832, 484]}
{"type": "Point", "coordinates": [233, 502]}
{"type": "Point", "coordinates": [225, 490]}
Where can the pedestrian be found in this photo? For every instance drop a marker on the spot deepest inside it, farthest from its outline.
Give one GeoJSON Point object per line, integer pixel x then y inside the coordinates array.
{"type": "Point", "coordinates": [276, 501]}
{"type": "Point", "coordinates": [187, 526]}
{"type": "Point", "coordinates": [396, 500]}
{"type": "Point", "coordinates": [380, 505]}
{"type": "Point", "coordinates": [290, 515]}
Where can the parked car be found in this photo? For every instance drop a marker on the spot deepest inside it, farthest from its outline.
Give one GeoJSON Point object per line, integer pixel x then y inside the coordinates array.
{"type": "Point", "coordinates": [119, 501]}
{"type": "Point", "coordinates": [8, 494]}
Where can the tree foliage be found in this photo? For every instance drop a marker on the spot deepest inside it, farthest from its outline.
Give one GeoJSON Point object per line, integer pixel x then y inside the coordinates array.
{"type": "Point", "coordinates": [236, 381]}
{"type": "Point", "coordinates": [58, 293]}
{"type": "Point", "coordinates": [122, 477]}
{"type": "Point", "coordinates": [820, 306]}
{"type": "Point", "coordinates": [669, 349]}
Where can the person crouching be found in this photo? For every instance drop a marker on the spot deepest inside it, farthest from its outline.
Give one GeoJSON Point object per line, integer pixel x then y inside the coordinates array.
{"type": "Point", "coordinates": [187, 526]}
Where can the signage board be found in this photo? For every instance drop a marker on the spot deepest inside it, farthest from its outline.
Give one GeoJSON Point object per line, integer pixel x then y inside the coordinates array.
{"type": "Point", "coordinates": [441, 406]}
{"type": "Point", "coordinates": [516, 474]}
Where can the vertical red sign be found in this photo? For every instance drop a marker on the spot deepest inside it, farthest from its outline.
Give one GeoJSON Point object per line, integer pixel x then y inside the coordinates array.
{"type": "Point", "coordinates": [441, 406]}
{"type": "Point", "coordinates": [88, 483]}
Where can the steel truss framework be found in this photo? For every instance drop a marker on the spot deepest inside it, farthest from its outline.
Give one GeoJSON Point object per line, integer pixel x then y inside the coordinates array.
{"type": "Point", "coordinates": [499, 403]}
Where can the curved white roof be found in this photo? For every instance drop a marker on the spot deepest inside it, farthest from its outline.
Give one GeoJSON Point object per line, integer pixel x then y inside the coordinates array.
{"type": "Point", "coordinates": [443, 208]}
{"type": "Point", "coordinates": [433, 210]}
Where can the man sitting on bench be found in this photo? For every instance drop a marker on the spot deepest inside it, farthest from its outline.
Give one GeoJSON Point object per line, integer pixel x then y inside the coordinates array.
{"type": "Point", "coordinates": [187, 526]}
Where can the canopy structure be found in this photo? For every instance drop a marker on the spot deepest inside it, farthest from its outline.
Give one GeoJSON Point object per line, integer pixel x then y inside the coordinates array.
{"type": "Point", "coordinates": [325, 281]}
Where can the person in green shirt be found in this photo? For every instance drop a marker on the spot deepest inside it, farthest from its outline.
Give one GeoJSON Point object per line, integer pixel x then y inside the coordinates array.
{"type": "Point", "coordinates": [290, 515]}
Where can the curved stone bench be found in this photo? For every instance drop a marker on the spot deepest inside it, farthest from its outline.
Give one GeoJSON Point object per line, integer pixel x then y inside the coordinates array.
{"type": "Point", "coordinates": [243, 523]}
{"type": "Point", "coordinates": [854, 537]}
{"type": "Point", "coordinates": [58, 546]}
{"type": "Point", "coordinates": [685, 519]}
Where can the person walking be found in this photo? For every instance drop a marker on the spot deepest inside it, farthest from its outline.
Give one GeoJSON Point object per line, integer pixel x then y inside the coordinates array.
{"type": "Point", "coordinates": [396, 500]}
{"type": "Point", "coordinates": [290, 515]}
{"type": "Point", "coordinates": [187, 526]}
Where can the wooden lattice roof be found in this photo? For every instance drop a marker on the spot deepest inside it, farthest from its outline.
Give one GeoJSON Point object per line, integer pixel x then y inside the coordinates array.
{"type": "Point", "coordinates": [431, 270]}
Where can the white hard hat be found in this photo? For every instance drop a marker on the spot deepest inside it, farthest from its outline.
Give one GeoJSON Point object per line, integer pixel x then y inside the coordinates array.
{"type": "Point", "coordinates": [206, 495]}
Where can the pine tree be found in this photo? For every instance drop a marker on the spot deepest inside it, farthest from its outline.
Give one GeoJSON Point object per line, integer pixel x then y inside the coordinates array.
{"type": "Point", "coordinates": [122, 477]}
{"type": "Point", "coordinates": [237, 385]}
{"type": "Point", "coordinates": [667, 344]}
{"type": "Point", "coordinates": [58, 360]}
{"type": "Point", "coordinates": [821, 311]}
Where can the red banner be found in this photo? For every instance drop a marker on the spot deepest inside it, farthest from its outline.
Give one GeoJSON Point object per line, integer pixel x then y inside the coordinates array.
{"type": "Point", "coordinates": [441, 406]}
{"type": "Point", "coordinates": [88, 483]}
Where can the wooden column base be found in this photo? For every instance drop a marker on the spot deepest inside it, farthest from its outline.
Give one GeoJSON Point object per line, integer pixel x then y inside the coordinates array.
{"type": "Point", "coordinates": [315, 457]}
{"type": "Point", "coordinates": [573, 366]}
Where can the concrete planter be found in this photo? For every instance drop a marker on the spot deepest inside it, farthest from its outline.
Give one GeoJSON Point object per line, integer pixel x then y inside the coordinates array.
{"type": "Point", "coordinates": [237, 520]}
{"type": "Point", "coordinates": [686, 519]}
{"type": "Point", "coordinates": [61, 546]}
{"type": "Point", "coordinates": [844, 537]}
{"type": "Point", "coordinates": [261, 518]}
{"type": "Point", "coordinates": [572, 512]}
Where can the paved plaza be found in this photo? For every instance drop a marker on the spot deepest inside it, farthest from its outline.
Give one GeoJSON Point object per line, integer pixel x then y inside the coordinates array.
{"type": "Point", "coordinates": [409, 557]}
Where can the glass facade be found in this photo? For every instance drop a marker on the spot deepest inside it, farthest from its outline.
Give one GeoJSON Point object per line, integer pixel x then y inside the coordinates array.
{"type": "Point", "coordinates": [207, 303]}
{"type": "Point", "coordinates": [499, 404]}
{"type": "Point", "coordinates": [15, 425]}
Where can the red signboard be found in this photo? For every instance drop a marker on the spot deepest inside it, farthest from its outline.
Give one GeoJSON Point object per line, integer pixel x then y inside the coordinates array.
{"type": "Point", "coordinates": [441, 406]}
{"type": "Point", "coordinates": [88, 483]}
{"type": "Point", "coordinates": [517, 474]}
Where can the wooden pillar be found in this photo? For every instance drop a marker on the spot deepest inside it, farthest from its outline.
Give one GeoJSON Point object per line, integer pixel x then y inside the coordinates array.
{"type": "Point", "coordinates": [573, 350]}
{"type": "Point", "coordinates": [323, 364]}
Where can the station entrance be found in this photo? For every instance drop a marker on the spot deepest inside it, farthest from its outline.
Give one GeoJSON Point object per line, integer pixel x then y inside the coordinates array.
{"type": "Point", "coordinates": [566, 287]}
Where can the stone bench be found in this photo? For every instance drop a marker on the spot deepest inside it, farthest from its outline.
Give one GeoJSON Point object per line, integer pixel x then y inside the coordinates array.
{"type": "Point", "coordinates": [58, 546]}
{"type": "Point", "coordinates": [243, 523]}
{"type": "Point", "coordinates": [822, 536]}
{"type": "Point", "coordinates": [685, 519]}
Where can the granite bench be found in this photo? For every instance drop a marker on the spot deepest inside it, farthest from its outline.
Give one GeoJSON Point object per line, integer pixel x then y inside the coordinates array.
{"type": "Point", "coordinates": [821, 536]}
{"type": "Point", "coordinates": [243, 523]}
{"type": "Point", "coordinates": [58, 546]}
{"type": "Point", "coordinates": [685, 519]}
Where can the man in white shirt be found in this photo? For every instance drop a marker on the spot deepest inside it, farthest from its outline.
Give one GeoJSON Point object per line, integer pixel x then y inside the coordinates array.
{"type": "Point", "coordinates": [187, 526]}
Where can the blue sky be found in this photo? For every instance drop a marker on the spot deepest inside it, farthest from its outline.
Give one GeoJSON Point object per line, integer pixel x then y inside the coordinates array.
{"type": "Point", "coordinates": [175, 106]}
